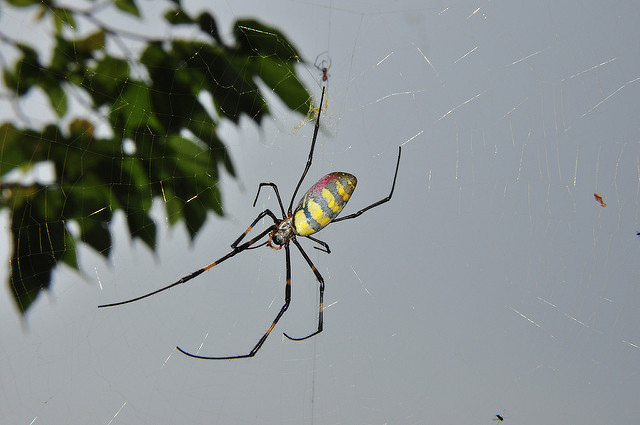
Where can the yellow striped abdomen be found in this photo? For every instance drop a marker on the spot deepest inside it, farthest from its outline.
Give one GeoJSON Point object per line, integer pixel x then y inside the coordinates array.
{"type": "Point", "coordinates": [323, 202]}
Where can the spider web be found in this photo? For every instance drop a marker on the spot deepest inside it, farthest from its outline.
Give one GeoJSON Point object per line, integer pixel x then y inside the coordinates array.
{"type": "Point", "coordinates": [492, 282]}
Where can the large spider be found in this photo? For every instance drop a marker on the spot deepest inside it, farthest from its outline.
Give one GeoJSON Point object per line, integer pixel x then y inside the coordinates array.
{"type": "Point", "coordinates": [317, 208]}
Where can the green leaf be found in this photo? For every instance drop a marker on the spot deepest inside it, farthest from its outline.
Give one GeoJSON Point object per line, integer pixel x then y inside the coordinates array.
{"type": "Point", "coordinates": [137, 175]}
{"type": "Point", "coordinates": [228, 78]}
{"type": "Point", "coordinates": [105, 80]}
{"type": "Point", "coordinates": [39, 236]}
{"type": "Point", "coordinates": [63, 57]}
{"type": "Point", "coordinates": [88, 202]}
{"type": "Point", "coordinates": [96, 234]}
{"type": "Point", "coordinates": [11, 154]}
{"type": "Point", "coordinates": [178, 17]}
{"type": "Point", "coordinates": [208, 25]}
{"type": "Point", "coordinates": [255, 38]}
{"type": "Point", "coordinates": [128, 6]}
{"type": "Point", "coordinates": [81, 128]}
{"type": "Point", "coordinates": [191, 188]}
{"type": "Point", "coordinates": [55, 93]}
{"type": "Point", "coordinates": [11, 81]}
{"type": "Point", "coordinates": [194, 217]}
{"type": "Point", "coordinates": [70, 257]}
{"type": "Point", "coordinates": [142, 227]}
{"type": "Point", "coordinates": [91, 43]}
{"type": "Point", "coordinates": [281, 77]}
{"type": "Point", "coordinates": [63, 18]}
{"type": "Point", "coordinates": [111, 71]}
{"type": "Point", "coordinates": [173, 205]}
{"type": "Point", "coordinates": [26, 72]}
{"type": "Point", "coordinates": [132, 110]}
{"type": "Point", "coordinates": [23, 3]}
{"type": "Point", "coordinates": [22, 148]}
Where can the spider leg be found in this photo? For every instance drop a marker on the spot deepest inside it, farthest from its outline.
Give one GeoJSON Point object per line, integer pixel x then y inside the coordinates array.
{"type": "Point", "coordinates": [275, 189]}
{"type": "Point", "coordinates": [258, 218]}
{"type": "Point", "coordinates": [287, 300]}
{"type": "Point", "coordinates": [375, 204]}
{"type": "Point", "coordinates": [324, 63]}
{"type": "Point", "coordinates": [324, 244]}
{"type": "Point", "coordinates": [265, 243]}
{"type": "Point", "coordinates": [321, 280]}
{"type": "Point", "coordinates": [310, 159]}
{"type": "Point", "coordinates": [236, 250]}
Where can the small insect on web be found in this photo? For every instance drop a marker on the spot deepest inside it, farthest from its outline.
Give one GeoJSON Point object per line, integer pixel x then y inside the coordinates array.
{"type": "Point", "coordinates": [318, 207]}
{"type": "Point", "coordinates": [322, 64]}
{"type": "Point", "coordinates": [599, 199]}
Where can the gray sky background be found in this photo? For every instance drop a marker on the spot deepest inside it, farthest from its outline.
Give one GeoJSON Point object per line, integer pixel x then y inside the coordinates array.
{"type": "Point", "coordinates": [492, 281]}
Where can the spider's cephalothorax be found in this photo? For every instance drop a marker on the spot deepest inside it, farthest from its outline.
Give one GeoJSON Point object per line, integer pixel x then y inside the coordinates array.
{"type": "Point", "coordinates": [318, 207]}
{"type": "Point", "coordinates": [282, 234]}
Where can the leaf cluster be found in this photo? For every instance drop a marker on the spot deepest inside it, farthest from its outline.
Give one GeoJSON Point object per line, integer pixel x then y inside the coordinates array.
{"type": "Point", "coordinates": [163, 140]}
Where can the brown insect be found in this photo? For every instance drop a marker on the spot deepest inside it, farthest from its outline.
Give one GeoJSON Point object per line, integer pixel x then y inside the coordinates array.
{"type": "Point", "coordinates": [599, 199]}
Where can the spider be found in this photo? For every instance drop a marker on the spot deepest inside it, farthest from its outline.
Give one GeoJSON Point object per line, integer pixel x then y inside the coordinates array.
{"type": "Point", "coordinates": [318, 207]}
{"type": "Point", "coordinates": [322, 64]}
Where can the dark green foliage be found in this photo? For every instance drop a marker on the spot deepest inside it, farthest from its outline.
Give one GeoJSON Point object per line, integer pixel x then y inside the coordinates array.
{"type": "Point", "coordinates": [163, 143]}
